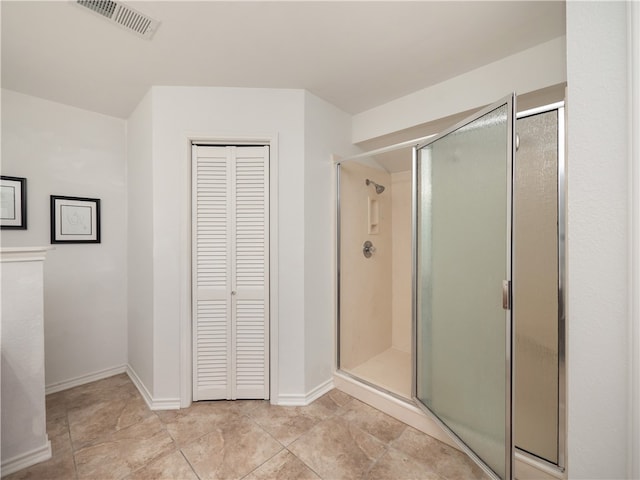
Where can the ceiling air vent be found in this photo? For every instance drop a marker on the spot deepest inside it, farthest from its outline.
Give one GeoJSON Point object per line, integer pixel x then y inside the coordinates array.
{"type": "Point", "coordinates": [123, 15]}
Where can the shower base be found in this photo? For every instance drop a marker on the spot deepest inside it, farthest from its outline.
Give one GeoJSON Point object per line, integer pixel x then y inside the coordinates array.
{"type": "Point", "coordinates": [390, 370]}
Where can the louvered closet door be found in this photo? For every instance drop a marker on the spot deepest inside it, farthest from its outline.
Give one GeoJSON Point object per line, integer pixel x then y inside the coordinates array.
{"type": "Point", "coordinates": [230, 272]}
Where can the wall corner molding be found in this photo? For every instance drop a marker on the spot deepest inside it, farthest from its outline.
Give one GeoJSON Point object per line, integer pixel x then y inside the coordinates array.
{"type": "Point", "coordinates": [303, 399]}
{"type": "Point", "coordinates": [27, 459]}
{"type": "Point", "coordinates": [152, 403]}
{"type": "Point", "coordinates": [83, 379]}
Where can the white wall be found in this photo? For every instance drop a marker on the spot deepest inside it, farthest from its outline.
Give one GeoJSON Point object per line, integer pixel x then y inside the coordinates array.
{"type": "Point", "coordinates": [597, 240]}
{"type": "Point", "coordinates": [63, 150]}
{"type": "Point", "coordinates": [533, 69]}
{"type": "Point", "coordinates": [327, 131]}
{"type": "Point", "coordinates": [140, 241]}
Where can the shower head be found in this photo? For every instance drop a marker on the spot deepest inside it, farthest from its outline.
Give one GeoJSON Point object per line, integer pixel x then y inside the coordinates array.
{"type": "Point", "coordinates": [379, 188]}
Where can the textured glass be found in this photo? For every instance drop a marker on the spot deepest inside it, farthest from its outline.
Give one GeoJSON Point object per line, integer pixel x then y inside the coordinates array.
{"type": "Point", "coordinates": [462, 371]}
{"type": "Point", "coordinates": [535, 230]}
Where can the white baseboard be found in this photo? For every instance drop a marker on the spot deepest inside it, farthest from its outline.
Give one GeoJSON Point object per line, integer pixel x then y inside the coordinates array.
{"type": "Point", "coordinates": [81, 380]}
{"type": "Point", "coordinates": [27, 459]}
{"type": "Point", "coordinates": [300, 400]}
{"type": "Point", "coordinates": [152, 403]}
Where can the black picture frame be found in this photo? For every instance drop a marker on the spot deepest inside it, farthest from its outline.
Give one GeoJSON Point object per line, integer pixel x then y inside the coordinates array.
{"type": "Point", "coordinates": [75, 219]}
{"type": "Point", "coordinates": [13, 203]}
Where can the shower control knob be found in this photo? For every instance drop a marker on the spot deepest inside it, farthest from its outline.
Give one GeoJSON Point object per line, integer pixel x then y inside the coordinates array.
{"type": "Point", "coordinates": [368, 249]}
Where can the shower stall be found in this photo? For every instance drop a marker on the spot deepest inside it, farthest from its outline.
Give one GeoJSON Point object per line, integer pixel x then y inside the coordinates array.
{"type": "Point", "coordinates": [450, 266]}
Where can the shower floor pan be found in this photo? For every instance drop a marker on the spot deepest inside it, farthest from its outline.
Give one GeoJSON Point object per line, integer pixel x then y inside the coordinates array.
{"type": "Point", "coordinates": [390, 370]}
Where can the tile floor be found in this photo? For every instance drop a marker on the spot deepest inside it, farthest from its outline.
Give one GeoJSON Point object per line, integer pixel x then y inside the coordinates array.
{"type": "Point", "coordinates": [104, 430]}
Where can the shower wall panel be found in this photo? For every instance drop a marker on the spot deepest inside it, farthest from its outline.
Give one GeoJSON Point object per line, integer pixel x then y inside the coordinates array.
{"type": "Point", "coordinates": [365, 283]}
{"type": "Point", "coordinates": [401, 260]}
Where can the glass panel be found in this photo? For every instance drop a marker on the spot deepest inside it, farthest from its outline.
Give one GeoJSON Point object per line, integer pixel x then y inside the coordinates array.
{"type": "Point", "coordinates": [462, 338]}
{"type": "Point", "coordinates": [535, 230]}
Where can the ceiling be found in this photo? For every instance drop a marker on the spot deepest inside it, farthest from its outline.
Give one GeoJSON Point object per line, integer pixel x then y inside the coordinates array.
{"type": "Point", "coordinates": [356, 55]}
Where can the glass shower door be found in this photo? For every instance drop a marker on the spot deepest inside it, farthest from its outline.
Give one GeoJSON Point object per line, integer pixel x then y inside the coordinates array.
{"type": "Point", "coordinates": [463, 335]}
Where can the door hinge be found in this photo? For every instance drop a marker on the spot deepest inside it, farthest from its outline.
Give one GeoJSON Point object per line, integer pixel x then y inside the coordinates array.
{"type": "Point", "coordinates": [506, 294]}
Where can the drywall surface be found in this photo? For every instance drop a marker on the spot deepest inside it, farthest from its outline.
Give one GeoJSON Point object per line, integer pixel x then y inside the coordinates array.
{"type": "Point", "coordinates": [63, 150]}
{"type": "Point", "coordinates": [327, 131]}
{"type": "Point", "coordinates": [597, 240]}
{"type": "Point", "coordinates": [140, 242]}
{"type": "Point", "coordinates": [533, 69]}
{"type": "Point", "coordinates": [24, 426]}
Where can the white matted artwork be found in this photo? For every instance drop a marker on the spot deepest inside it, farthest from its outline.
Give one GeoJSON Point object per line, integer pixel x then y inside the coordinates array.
{"type": "Point", "coordinates": [13, 202]}
{"type": "Point", "coordinates": [75, 219]}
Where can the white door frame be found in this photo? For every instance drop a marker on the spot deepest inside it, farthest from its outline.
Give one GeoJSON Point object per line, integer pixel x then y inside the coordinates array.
{"type": "Point", "coordinates": [186, 349]}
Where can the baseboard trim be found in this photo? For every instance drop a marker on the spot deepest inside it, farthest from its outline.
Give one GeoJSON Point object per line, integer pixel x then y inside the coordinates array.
{"type": "Point", "coordinates": [27, 459]}
{"type": "Point", "coordinates": [152, 403]}
{"type": "Point", "coordinates": [81, 380]}
{"type": "Point", "coordinates": [300, 400]}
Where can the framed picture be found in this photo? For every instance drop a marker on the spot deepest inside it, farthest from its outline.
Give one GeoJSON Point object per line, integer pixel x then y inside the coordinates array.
{"type": "Point", "coordinates": [13, 202]}
{"type": "Point", "coordinates": [75, 219]}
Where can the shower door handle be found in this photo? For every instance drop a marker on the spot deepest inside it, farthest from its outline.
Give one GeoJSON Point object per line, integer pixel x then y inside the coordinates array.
{"type": "Point", "coordinates": [506, 294]}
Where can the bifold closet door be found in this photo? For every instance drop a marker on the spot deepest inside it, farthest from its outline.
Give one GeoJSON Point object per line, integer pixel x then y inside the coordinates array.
{"type": "Point", "coordinates": [230, 268]}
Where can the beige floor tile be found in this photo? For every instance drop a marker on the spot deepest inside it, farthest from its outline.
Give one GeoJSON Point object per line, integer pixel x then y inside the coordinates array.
{"type": "Point", "coordinates": [334, 402]}
{"type": "Point", "coordinates": [104, 430]}
{"type": "Point", "coordinates": [378, 424]}
{"type": "Point", "coordinates": [59, 467]}
{"type": "Point", "coordinates": [124, 451]}
{"type": "Point", "coordinates": [187, 425]}
{"type": "Point", "coordinates": [56, 405]}
{"type": "Point", "coordinates": [336, 449]}
{"type": "Point", "coordinates": [283, 466]}
{"type": "Point", "coordinates": [95, 392]}
{"type": "Point", "coordinates": [445, 460]}
{"type": "Point", "coordinates": [339, 398]}
{"type": "Point", "coordinates": [396, 465]}
{"type": "Point", "coordinates": [168, 467]}
{"type": "Point", "coordinates": [92, 423]}
{"type": "Point", "coordinates": [285, 424]}
{"type": "Point", "coordinates": [231, 451]}
{"type": "Point", "coordinates": [58, 433]}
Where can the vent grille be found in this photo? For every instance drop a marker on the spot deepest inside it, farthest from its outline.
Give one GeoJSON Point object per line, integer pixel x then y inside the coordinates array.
{"type": "Point", "coordinates": [124, 16]}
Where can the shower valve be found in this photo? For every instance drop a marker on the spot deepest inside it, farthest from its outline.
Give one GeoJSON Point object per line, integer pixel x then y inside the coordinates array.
{"type": "Point", "coordinates": [368, 249]}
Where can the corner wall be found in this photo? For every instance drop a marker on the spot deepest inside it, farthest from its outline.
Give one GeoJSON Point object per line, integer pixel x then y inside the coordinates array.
{"type": "Point", "coordinates": [327, 131]}
{"type": "Point", "coordinates": [140, 242]}
{"type": "Point", "coordinates": [597, 241]}
{"type": "Point", "coordinates": [63, 150]}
